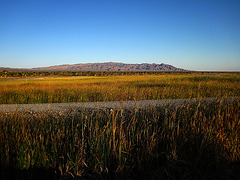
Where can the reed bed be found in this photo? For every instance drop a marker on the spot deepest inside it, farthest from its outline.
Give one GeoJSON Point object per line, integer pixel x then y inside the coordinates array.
{"type": "Point", "coordinates": [118, 88]}
{"type": "Point", "coordinates": [194, 141]}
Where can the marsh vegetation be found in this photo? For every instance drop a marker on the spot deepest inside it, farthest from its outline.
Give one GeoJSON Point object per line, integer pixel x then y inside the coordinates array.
{"type": "Point", "coordinates": [192, 141]}
{"type": "Point", "coordinates": [118, 88]}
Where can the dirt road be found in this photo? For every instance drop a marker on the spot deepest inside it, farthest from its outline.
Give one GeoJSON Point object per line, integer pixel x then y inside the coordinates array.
{"type": "Point", "coordinates": [107, 105]}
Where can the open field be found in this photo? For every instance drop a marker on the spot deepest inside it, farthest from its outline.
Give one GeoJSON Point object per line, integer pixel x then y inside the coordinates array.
{"type": "Point", "coordinates": [196, 140]}
{"type": "Point", "coordinates": [117, 88]}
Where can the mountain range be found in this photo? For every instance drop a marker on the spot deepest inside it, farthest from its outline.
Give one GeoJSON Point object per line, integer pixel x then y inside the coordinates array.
{"type": "Point", "coordinates": [107, 66]}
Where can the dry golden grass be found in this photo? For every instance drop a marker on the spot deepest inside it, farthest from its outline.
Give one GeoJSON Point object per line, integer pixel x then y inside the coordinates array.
{"type": "Point", "coordinates": [118, 88]}
{"type": "Point", "coordinates": [195, 141]}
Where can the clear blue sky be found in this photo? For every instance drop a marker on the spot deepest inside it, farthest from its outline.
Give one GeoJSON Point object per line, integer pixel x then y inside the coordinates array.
{"type": "Point", "coordinates": [190, 34]}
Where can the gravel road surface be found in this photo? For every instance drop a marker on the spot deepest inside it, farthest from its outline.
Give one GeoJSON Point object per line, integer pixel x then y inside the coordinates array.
{"type": "Point", "coordinates": [25, 79]}
{"type": "Point", "coordinates": [142, 104]}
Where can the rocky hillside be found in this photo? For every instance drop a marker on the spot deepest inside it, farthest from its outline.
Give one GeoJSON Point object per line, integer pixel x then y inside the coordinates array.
{"type": "Point", "coordinates": [110, 66]}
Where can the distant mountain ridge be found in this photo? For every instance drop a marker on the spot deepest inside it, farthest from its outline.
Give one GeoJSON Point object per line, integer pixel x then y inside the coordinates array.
{"type": "Point", "coordinates": [107, 66]}
{"type": "Point", "coordinates": [111, 66]}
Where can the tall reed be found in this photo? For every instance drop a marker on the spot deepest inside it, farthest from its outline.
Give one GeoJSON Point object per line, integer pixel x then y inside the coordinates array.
{"type": "Point", "coordinates": [194, 141]}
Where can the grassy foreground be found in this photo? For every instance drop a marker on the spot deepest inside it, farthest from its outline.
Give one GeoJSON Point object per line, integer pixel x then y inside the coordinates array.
{"type": "Point", "coordinates": [118, 88]}
{"type": "Point", "coordinates": [195, 141]}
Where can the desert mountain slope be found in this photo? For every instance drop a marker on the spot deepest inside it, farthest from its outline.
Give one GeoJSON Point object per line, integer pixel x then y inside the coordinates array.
{"type": "Point", "coordinates": [111, 66]}
{"type": "Point", "coordinates": [108, 66]}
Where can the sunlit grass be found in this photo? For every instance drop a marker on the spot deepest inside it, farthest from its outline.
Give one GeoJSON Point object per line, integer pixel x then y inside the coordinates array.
{"type": "Point", "coordinates": [118, 88]}
{"type": "Point", "coordinates": [194, 141]}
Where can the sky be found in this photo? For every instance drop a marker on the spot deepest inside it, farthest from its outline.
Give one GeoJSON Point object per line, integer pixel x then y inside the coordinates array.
{"type": "Point", "coordinates": [202, 35]}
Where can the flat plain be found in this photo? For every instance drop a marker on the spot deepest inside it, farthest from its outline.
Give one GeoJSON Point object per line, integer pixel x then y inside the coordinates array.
{"type": "Point", "coordinates": [192, 141]}
{"type": "Point", "coordinates": [117, 88]}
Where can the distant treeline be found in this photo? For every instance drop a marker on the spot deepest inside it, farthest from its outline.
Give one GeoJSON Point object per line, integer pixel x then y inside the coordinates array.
{"type": "Point", "coordinates": [6, 73]}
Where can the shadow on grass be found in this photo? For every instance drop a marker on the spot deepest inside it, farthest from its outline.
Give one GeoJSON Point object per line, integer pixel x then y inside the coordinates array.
{"type": "Point", "coordinates": [195, 141]}
{"type": "Point", "coordinates": [30, 174]}
{"type": "Point", "coordinates": [194, 159]}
